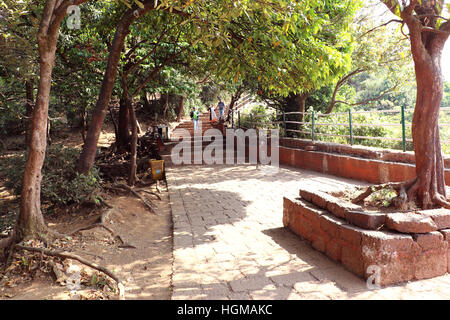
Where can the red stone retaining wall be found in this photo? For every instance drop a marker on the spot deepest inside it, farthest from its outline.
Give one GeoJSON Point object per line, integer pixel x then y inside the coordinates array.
{"type": "Point", "coordinates": [359, 163]}
{"type": "Point", "coordinates": [399, 257]}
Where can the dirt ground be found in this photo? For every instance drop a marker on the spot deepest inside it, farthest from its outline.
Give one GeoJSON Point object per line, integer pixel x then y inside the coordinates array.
{"type": "Point", "coordinates": [145, 268]}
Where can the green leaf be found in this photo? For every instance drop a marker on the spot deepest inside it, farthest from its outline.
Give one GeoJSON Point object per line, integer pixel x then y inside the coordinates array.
{"type": "Point", "coordinates": [140, 4]}
{"type": "Point", "coordinates": [94, 280]}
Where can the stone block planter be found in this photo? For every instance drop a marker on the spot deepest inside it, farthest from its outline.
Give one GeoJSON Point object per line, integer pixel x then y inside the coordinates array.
{"type": "Point", "coordinates": [402, 246]}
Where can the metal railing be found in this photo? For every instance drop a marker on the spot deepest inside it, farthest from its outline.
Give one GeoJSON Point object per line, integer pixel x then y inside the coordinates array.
{"type": "Point", "coordinates": [308, 125]}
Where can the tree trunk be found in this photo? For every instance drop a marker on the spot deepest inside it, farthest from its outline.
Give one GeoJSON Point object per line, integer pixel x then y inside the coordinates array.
{"type": "Point", "coordinates": [128, 103]}
{"type": "Point", "coordinates": [427, 42]}
{"type": "Point", "coordinates": [29, 84]}
{"type": "Point", "coordinates": [146, 101]}
{"type": "Point", "coordinates": [234, 99]}
{"type": "Point", "coordinates": [295, 103]}
{"type": "Point", "coordinates": [430, 185]}
{"type": "Point", "coordinates": [339, 84]}
{"type": "Point", "coordinates": [134, 137]}
{"type": "Point", "coordinates": [180, 109]}
{"type": "Point", "coordinates": [87, 157]}
{"type": "Point", "coordinates": [83, 122]}
{"type": "Point", "coordinates": [166, 106]}
{"type": "Point", "coordinates": [113, 119]}
{"type": "Point", "coordinates": [123, 132]}
{"type": "Point", "coordinates": [30, 221]}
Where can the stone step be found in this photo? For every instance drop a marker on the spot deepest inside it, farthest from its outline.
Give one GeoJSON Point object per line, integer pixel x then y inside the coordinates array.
{"type": "Point", "coordinates": [192, 132]}
{"type": "Point", "coordinates": [192, 126]}
{"type": "Point", "coordinates": [197, 158]}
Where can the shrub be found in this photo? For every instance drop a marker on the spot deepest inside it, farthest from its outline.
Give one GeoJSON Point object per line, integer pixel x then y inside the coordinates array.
{"type": "Point", "coordinates": [259, 118]}
{"type": "Point", "coordinates": [61, 184]}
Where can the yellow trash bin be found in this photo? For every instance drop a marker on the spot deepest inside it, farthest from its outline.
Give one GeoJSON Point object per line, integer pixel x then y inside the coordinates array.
{"type": "Point", "coordinates": [157, 169]}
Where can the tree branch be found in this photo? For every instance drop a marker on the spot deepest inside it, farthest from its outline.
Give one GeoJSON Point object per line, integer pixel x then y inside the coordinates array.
{"type": "Point", "coordinates": [68, 255]}
{"type": "Point", "coordinates": [369, 100]}
{"type": "Point", "coordinates": [338, 85]}
{"type": "Point", "coordinates": [380, 26]}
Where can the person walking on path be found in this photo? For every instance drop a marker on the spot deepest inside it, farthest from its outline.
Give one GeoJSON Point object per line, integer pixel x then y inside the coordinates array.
{"type": "Point", "coordinates": [212, 114]}
{"type": "Point", "coordinates": [195, 117]}
{"type": "Point", "coordinates": [221, 107]}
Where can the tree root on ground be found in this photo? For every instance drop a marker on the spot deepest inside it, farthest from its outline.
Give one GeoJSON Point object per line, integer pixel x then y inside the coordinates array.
{"type": "Point", "coordinates": [100, 222]}
{"type": "Point", "coordinates": [142, 183]}
{"type": "Point", "coordinates": [68, 255]}
{"type": "Point", "coordinates": [147, 202]}
{"type": "Point", "coordinates": [149, 192]}
{"type": "Point", "coordinates": [407, 193]}
{"type": "Point", "coordinates": [157, 186]}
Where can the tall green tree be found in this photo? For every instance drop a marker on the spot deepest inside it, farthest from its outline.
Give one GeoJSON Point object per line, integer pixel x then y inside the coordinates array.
{"type": "Point", "coordinates": [428, 32]}
{"type": "Point", "coordinates": [299, 51]}
{"type": "Point", "coordinates": [19, 62]}
{"type": "Point", "coordinates": [292, 46]}
{"type": "Point", "coordinates": [379, 53]}
{"type": "Point", "coordinates": [30, 222]}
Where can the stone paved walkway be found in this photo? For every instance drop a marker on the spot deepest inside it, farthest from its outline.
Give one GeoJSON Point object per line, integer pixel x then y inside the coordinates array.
{"type": "Point", "coordinates": [229, 240]}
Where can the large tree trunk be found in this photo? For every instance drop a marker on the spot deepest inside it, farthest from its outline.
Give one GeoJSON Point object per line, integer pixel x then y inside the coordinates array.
{"type": "Point", "coordinates": [87, 156]}
{"type": "Point", "coordinates": [428, 190]}
{"type": "Point", "coordinates": [427, 42]}
{"type": "Point", "coordinates": [30, 221]}
{"type": "Point", "coordinates": [430, 185]}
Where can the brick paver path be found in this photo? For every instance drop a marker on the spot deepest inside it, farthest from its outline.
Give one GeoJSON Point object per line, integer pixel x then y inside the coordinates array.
{"type": "Point", "coordinates": [229, 240]}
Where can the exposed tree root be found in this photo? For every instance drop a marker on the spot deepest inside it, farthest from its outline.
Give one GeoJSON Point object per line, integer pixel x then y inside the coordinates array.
{"type": "Point", "coordinates": [157, 186]}
{"type": "Point", "coordinates": [149, 192]}
{"type": "Point", "coordinates": [68, 255]}
{"type": "Point", "coordinates": [147, 202]}
{"type": "Point", "coordinates": [47, 236]}
{"type": "Point", "coordinates": [407, 193]}
{"type": "Point", "coordinates": [441, 201]}
{"type": "Point", "coordinates": [372, 189]}
{"type": "Point", "coordinates": [400, 188]}
{"type": "Point", "coordinates": [100, 223]}
{"type": "Point", "coordinates": [106, 204]}
{"type": "Point", "coordinates": [142, 183]}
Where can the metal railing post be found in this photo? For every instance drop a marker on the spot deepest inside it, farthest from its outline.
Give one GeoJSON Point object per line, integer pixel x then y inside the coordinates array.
{"type": "Point", "coordinates": [350, 122]}
{"type": "Point", "coordinates": [312, 125]}
{"type": "Point", "coordinates": [251, 121]}
{"type": "Point", "coordinates": [239, 119]}
{"type": "Point", "coordinates": [284, 123]}
{"type": "Point", "coordinates": [403, 129]}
